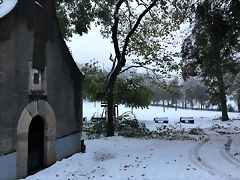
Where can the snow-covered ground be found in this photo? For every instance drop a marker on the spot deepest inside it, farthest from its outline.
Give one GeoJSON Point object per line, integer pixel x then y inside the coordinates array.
{"type": "Point", "coordinates": [217, 157]}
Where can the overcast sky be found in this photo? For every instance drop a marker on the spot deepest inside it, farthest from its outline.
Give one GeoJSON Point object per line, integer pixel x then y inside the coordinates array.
{"type": "Point", "coordinates": [92, 46]}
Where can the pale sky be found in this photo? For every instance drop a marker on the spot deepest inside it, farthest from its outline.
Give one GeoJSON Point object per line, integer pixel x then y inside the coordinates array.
{"type": "Point", "coordinates": [93, 46]}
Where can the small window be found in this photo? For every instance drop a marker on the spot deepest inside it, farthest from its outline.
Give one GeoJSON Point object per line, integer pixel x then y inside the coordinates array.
{"type": "Point", "coordinates": [36, 78]}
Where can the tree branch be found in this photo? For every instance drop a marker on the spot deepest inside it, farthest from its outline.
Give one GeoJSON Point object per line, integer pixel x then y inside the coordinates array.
{"type": "Point", "coordinates": [129, 14]}
{"type": "Point", "coordinates": [113, 65]}
{"type": "Point", "coordinates": [115, 29]}
{"type": "Point", "coordinates": [132, 31]}
{"type": "Point", "coordinates": [135, 66]}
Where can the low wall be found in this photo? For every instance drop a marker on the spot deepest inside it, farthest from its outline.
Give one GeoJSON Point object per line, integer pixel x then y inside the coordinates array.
{"type": "Point", "coordinates": [68, 146]}
{"type": "Point", "coordinates": [8, 166]}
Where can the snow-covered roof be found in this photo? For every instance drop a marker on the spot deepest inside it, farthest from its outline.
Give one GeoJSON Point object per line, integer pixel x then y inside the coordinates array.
{"type": "Point", "coordinates": [6, 7]}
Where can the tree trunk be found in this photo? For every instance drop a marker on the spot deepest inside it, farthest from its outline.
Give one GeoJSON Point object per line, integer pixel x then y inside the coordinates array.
{"type": "Point", "coordinates": [238, 104]}
{"type": "Point", "coordinates": [223, 99]}
{"type": "Point", "coordinates": [110, 99]}
{"type": "Point", "coordinates": [163, 106]}
{"type": "Point", "coordinates": [110, 125]}
{"type": "Point", "coordinates": [191, 104]}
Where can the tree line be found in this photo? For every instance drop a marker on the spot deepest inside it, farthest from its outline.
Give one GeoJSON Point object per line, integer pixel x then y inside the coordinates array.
{"type": "Point", "coordinates": [192, 94]}
{"type": "Point", "coordinates": [140, 90]}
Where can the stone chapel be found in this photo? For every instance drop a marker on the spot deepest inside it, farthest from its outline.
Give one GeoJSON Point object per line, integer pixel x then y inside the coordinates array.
{"type": "Point", "coordinates": [40, 90]}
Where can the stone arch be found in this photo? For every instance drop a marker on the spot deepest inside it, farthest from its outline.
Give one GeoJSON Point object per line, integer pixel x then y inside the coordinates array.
{"type": "Point", "coordinates": [43, 109]}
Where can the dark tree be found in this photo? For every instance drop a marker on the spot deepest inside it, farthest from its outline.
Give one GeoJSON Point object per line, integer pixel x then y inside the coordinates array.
{"type": "Point", "coordinates": [211, 48]}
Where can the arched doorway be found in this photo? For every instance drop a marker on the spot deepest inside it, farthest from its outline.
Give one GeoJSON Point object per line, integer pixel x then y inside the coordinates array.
{"type": "Point", "coordinates": [36, 116]}
{"type": "Point", "coordinates": [36, 144]}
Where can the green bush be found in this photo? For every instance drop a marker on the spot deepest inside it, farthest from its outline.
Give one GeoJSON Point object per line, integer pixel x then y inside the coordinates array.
{"type": "Point", "coordinates": [196, 131]}
{"type": "Point", "coordinates": [133, 129]}
{"type": "Point", "coordinates": [126, 128]}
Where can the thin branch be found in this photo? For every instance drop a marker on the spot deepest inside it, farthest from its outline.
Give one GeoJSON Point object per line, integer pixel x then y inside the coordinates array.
{"type": "Point", "coordinates": [142, 3]}
{"type": "Point", "coordinates": [135, 66]}
{"type": "Point", "coordinates": [134, 29]}
{"type": "Point", "coordinates": [113, 65]}
{"type": "Point", "coordinates": [110, 58]}
{"type": "Point", "coordinates": [129, 14]}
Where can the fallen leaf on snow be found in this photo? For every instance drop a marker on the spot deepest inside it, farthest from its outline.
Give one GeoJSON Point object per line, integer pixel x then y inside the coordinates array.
{"type": "Point", "coordinates": [127, 166]}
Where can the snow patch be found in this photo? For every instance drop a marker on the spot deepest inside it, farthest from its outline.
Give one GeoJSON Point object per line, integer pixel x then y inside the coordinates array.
{"type": "Point", "coordinates": [7, 6]}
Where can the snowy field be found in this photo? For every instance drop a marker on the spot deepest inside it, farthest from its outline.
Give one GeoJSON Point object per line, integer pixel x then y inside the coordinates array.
{"type": "Point", "coordinates": [217, 157]}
